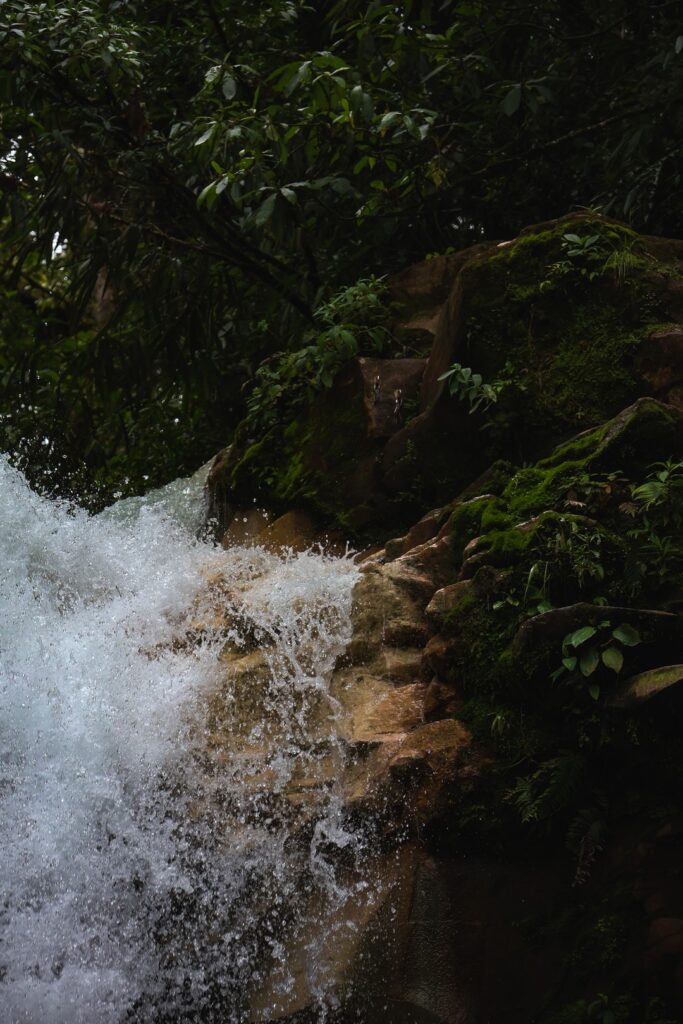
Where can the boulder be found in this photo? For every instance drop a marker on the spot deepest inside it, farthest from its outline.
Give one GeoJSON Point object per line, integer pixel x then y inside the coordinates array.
{"type": "Point", "coordinates": [445, 600]}
{"type": "Point", "coordinates": [659, 630]}
{"type": "Point", "coordinates": [246, 526]}
{"type": "Point", "coordinates": [573, 351]}
{"type": "Point", "coordinates": [293, 531]}
{"type": "Point", "coordinates": [646, 685]}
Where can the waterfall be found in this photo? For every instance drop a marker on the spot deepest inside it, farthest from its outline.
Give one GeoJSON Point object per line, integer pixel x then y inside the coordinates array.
{"type": "Point", "coordinates": [170, 805]}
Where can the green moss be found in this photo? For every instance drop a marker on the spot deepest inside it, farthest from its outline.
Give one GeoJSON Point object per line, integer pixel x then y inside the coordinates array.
{"type": "Point", "coordinates": [535, 489]}
{"type": "Point", "coordinates": [495, 517]}
{"type": "Point", "coordinates": [533, 240]}
{"type": "Point", "coordinates": [466, 520]}
{"type": "Point", "coordinates": [574, 451]}
{"type": "Point", "coordinates": [570, 344]}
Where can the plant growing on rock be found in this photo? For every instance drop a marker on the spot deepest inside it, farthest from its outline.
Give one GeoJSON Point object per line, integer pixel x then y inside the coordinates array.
{"type": "Point", "coordinates": [470, 387]}
{"type": "Point", "coordinates": [656, 505]}
{"type": "Point", "coordinates": [585, 649]}
{"type": "Point", "coordinates": [353, 321]}
{"type": "Point", "coordinates": [592, 256]}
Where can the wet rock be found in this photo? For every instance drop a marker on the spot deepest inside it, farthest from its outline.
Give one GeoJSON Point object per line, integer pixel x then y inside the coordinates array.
{"type": "Point", "coordinates": [425, 529]}
{"type": "Point", "coordinates": [440, 700]}
{"type": "Point", "coordinates": [246, 526]}
{"type": "Point", "coordinates": [294, 531]}
{"type": "Point", "coordinates": [445, 600]}
{"type": "Point", "coordinates": [374, 711]}
{"type": "Point", "coordinates": [394, 547]}
{"type": "Point", "coordinates": [412, 771]}
{"type": "Point", "coordinates": [440, 658]}
{"type": "Point", "coordinates": [406, 633]}
{"type": "Point", "coordinates": [400, 665]}
{"type": "Point", "coordinates": [382, 602]}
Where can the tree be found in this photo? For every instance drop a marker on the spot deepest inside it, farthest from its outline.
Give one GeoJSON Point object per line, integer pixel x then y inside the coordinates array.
{"type": "Point", "coordinates": [183, 185]}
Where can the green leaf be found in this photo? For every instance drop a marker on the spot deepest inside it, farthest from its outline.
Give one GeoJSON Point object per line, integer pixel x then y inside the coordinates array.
{"type": "Point", "coordinates": [581, 635]}
{"type": "Point", "coordinates": [590, 659]}
{"type": "Point", "coordinates": [207, 196]}
{"type": "Point", "coordinates": [389, 119]}
{"type": "Point", "coordinates": [303, 72]}
{"type": "Point", "coordinates": [679, 44]}
{"type": "Point", "coordinates": [265, 210]}
{"type": "Point", "coordinates": [594, 691]}
{"type": "Point", "coordinates": [613, 658]}
{"type": "Point", "coordinates": [229, 87]}
{"type": "Point", "coordinates": [511, 101]}
{"type": "Point", "coordinates": [627, 635]}
{"type": "Point", "coordinates": [569, 663]}
{"type": "Point", "coordinates": [205, 136]}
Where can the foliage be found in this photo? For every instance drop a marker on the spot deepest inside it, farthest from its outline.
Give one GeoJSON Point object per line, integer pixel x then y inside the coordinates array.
{"type": "Point", "coordinates": [549, 788]}
{"type": "Point", "coordinates": [470, 387]}
{"type": "Point", "coordinates": [587, 648]}
{"type": "Point", "coordinates": [352, 322]}
{"type": "Point", "coordinates": [592, 256]}
{"type": "Point", "coordinates": [663, 491]}
{"type": "Point", "coordinates": [183, 185]}
{"type": "Point", "coordinates": [564, 538]}
{"type": "Point", "coordinates": [656, 506]}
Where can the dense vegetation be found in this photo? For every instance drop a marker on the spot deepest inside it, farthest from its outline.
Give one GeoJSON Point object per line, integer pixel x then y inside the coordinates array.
{"type": "Point", "coordinates": [189, 189]}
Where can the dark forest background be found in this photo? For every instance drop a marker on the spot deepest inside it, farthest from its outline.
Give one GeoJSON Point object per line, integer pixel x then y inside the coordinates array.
{"type": "Point", "coordinates": [189, 189]}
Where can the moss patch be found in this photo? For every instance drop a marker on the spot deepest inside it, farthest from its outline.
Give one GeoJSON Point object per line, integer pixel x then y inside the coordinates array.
{"type": "Point", "coordinates": [567, 331]}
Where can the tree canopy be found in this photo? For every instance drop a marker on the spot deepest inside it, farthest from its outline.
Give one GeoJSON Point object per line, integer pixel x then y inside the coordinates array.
{"type": "Point", "coordinates": [186, 186]}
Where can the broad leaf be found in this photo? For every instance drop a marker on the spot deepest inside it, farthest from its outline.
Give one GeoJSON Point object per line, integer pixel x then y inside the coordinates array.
{"type": "Point", "coordinates": [627, 635]}
{"type": "Point", "coordinates": [590, 659]}
{"type": "Point", "coordinates": [613, 658]}
{"type": "Point", "coordinates": [229, 87]}
{"type": "Point", "coordinates": [581, 635]}
{"type": "Point", "coordinates": [511, 101]}
{"type": "Point", "coordinates": [265, 210]}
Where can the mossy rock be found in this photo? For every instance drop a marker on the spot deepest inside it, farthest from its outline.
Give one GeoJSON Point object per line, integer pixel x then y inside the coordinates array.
{"type": "Point", "coordinates": [572, 336]}
{"type": "Point", "coordinates": [569, 333]}
{"type": "Point", "coordinates": [527, 549]}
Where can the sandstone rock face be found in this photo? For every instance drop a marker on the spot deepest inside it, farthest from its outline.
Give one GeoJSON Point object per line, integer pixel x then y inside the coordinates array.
{"type": "Point", "coordinates": [396, 751]}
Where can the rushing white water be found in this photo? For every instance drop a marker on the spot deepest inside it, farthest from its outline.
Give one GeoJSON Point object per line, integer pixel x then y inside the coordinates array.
{"type": "Point", "coordinates": [154, 844]}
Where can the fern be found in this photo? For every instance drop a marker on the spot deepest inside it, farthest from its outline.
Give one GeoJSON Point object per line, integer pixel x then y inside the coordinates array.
{"type": "Point", "coordinates": [549, 789]}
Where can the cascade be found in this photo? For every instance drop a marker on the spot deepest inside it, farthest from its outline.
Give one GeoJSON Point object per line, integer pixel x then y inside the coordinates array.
{"type": "Point", "coordinates": [165, 833]}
